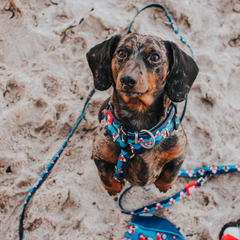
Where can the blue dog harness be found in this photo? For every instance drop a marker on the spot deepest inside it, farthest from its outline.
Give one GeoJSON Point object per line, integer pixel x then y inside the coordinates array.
{"type": "Point", "coordinates": [138, 141]}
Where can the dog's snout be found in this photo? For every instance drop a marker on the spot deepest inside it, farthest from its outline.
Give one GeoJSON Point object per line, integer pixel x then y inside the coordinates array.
{"type": "Point", "coordinates": [128, 81]}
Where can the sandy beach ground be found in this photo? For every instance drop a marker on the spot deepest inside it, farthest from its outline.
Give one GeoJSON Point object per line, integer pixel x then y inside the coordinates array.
{"type": "Point", "coordinates": [44, 82]}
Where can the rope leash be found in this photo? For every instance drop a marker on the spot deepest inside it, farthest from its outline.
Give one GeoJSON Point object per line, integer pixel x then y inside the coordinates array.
{"type": "Point", "coordinates": [49, 167]}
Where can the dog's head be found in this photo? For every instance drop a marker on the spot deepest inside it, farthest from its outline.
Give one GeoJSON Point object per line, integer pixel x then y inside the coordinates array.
{"type": "Point", "coordinates": [138, 65]}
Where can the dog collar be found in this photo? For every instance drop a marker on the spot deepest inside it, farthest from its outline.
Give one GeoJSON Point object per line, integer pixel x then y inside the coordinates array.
{"type": "Point", "coordinates": [138, 141]}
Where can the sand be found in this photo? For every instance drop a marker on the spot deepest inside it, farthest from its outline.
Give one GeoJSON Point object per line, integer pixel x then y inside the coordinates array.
{"type": "Point", "coordinates": [44, 82]}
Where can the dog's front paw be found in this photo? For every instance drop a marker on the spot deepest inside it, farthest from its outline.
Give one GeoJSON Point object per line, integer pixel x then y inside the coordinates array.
{"type": "Point", "coordinates": [114, 188]}
{"type": "Point", "coordinates": [162, 191]}
{"type": "Point", "coordinates": [164, 187]}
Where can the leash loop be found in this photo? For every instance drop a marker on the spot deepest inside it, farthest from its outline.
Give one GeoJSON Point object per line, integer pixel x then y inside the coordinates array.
{"type": "Point", "coordinates": [132, 156]}
{"type": "Point", "coordinates": [150, 144]}
{"type": "Point", "coordinates": [136, 137]}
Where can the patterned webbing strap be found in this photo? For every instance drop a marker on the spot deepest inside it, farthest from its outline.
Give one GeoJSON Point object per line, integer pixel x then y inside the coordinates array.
{"type": "Point", "coordinates": [138, 141]}
{"type": "Point", "coordinates": [49, 167]}
{"type": "Point", "coordinates": [187, 191]}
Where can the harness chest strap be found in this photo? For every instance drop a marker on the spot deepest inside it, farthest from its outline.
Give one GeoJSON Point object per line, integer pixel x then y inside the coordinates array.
{"type": "Point", "coordinates": [138, 141]}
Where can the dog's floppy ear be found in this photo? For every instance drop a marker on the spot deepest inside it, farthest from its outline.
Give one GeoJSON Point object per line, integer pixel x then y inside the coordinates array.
{"type": "Point", "coordinates": [182, 72]}
{"type": "Point", "coordinates": [99, 59]}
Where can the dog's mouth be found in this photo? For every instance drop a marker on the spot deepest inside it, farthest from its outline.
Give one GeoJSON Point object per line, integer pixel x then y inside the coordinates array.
{"type": "Point", "coordinates": [133, 94]}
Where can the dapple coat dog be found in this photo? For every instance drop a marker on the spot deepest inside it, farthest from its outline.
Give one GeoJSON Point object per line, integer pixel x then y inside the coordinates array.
{"type": "Point", "coordinates": [147, 74]}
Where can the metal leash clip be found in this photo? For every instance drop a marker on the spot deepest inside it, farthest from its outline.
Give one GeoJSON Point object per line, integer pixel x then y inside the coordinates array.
{"type": "Point", "coordinates": [204, 179]}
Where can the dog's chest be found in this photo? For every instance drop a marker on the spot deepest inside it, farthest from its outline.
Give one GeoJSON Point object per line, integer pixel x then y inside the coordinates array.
{"type": "Point", "coordinates": [144, 168]}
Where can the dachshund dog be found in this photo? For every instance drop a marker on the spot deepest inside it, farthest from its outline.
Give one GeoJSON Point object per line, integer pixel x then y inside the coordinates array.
{"type": "Point", "coordinates": [147, 74]}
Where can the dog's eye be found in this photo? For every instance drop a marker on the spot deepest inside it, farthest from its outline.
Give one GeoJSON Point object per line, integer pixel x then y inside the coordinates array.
{"type": "Point", "coordinates": [122, 54]}
{"type": "Point", "coordinates": [155, 57]}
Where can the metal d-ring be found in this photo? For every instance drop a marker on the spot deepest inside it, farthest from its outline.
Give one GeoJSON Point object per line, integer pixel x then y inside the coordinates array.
{"type": "Point", "coordinates": [153, 139]}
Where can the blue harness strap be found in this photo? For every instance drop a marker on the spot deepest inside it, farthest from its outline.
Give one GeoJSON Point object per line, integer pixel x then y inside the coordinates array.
{"type": "Point", "coordinates": [138, 141]}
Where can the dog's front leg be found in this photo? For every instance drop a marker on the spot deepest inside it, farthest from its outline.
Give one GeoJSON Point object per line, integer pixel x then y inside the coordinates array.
{"type": "Point", "coordinates": [169, 174]}
{"type": "Point", "coordinates": [106, 171]}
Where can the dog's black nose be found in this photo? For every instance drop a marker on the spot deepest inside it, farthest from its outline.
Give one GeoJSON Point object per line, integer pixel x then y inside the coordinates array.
{"type": "Point", "coordinates": [128, 81]}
